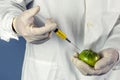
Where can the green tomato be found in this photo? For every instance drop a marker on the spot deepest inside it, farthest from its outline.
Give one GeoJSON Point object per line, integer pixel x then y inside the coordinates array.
{"type": "Point", "coordinates": [89, 57]}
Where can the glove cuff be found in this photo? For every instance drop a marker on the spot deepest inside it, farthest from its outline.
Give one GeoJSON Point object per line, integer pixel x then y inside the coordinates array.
{"type": "Point", "coordinates": [13, 25]}
{"type": "Point", "coordinates": [117, 64]}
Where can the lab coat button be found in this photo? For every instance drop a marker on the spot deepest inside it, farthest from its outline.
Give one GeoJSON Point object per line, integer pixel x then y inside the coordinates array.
{"type": "Point", "coordinates": [89, 24]}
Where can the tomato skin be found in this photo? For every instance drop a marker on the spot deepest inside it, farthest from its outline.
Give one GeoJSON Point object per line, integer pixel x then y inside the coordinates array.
{"type": "Point", "coordinates": [90, 57]}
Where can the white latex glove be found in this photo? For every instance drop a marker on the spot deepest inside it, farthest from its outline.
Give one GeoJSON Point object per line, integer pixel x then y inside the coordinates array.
{"type": "Point", "coordinates": [108, 59]}
{"type": "Point", "coordinates": [24, 26]}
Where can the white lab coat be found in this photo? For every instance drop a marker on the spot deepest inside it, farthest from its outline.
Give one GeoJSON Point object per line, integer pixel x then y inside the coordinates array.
{"type": "Point", "coordinates": [90, 24]}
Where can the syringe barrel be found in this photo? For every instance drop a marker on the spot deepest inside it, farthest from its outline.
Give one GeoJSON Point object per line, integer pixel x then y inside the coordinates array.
{"type": "Point", "coordinates": [60, 34]}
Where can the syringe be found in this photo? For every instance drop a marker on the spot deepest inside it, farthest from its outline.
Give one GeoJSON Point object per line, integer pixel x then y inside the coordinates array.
{"type": "Point", "coordinates": [63, 36]}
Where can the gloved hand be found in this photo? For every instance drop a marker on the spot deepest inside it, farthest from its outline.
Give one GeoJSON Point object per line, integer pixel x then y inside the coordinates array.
{"type": "Point", "coordinates": [24, 26]}
{"type": "Point", "coordinates": [108, 59]}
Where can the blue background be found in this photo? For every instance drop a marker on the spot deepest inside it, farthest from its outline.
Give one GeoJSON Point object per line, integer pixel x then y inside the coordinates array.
{"type": "Point", "coordinates": [11, 59]}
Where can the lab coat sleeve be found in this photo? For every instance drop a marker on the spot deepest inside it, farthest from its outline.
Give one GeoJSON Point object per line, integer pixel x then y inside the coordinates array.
{"type": "Point", "coordinates": [8, 10]}
{"type": "Point", "coordinates": [113, 40]}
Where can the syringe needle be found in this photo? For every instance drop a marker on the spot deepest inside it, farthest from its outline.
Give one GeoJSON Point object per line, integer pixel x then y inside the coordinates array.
{"type": "Point", "coordinates": [75, 46]}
